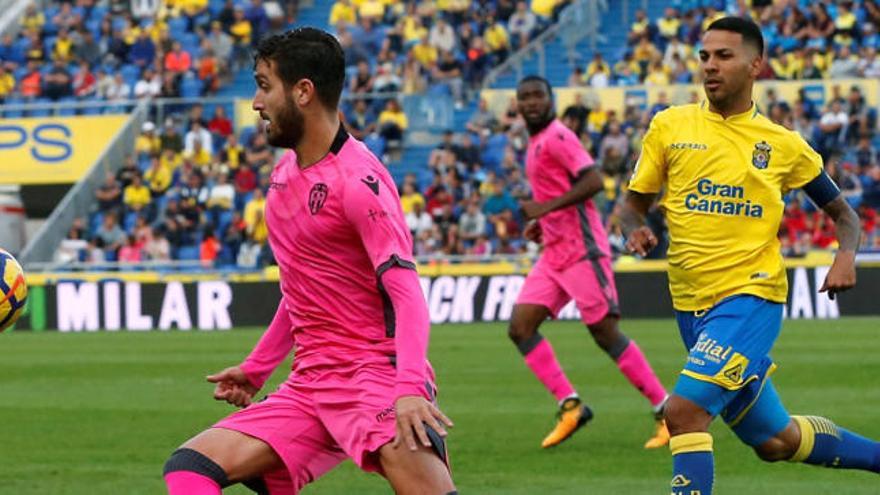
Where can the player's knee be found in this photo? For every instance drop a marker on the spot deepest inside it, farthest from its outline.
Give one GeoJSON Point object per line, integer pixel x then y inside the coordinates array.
{"type": "Point", "coordinates": [195, 462]}
{"type": "Point", "coordinates": [520, 332]}
{"type": "Point", "coordinates": [683, 416]}
{"type": "Point", "coordinates": [775, 450]}
{"type": "Point", "coordinates": [780, 447]}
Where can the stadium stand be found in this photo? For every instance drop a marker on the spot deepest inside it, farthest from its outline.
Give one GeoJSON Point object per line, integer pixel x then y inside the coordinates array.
{"type": "Point", "coordinates": [193, 187]}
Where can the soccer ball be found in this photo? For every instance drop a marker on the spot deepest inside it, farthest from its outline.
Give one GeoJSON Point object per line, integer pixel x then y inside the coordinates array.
{"type": "Point", "coordinates": [13, 290]}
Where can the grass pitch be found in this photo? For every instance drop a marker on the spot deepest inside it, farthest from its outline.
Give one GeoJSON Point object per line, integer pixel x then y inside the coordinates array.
{"type": "Point", "coordinates": [99, 413]}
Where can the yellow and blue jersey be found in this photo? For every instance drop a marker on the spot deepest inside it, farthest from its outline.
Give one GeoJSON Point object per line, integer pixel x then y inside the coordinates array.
{"type": "Point", "coordinates": [724, 183]}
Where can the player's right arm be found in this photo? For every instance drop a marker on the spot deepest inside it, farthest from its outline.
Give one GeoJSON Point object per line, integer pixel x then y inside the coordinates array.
{"type": "Point", "coordinates": [237, 385]}
{"type": "Point", "coordinates": [640, 239]}
{"type": "Point", "coordinates": [647, 179]}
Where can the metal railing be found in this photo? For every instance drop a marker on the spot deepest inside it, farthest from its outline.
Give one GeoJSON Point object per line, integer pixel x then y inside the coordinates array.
{"type": "Point", "coordinates": [81, 197]}
{"type": "Point", "coordinates": [577, 21]}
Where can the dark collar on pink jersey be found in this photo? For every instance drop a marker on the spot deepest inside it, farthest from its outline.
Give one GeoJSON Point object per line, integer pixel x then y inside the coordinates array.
{"type": "Point", "coordinates": [339, 140]}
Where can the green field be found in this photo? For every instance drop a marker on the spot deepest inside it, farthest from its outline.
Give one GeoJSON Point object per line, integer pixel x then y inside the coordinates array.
{"type": "Point", "coordinates": [99, 413]}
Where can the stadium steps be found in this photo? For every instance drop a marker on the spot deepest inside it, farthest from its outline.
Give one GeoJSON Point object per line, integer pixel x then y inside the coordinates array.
{"type": "Point", "coordinates": [612, 48]}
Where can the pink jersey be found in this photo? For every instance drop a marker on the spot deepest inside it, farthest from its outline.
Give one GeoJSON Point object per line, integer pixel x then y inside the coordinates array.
{"type": "Point", "coordinates": [554, 161]}
{"type": "Point", "coordinates": [334, 227]}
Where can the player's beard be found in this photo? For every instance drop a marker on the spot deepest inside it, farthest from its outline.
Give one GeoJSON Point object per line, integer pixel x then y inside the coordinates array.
{"type": "Point", "coordinates": [538, 124]}
{"type": "Point", "coordinates": [287, 127]}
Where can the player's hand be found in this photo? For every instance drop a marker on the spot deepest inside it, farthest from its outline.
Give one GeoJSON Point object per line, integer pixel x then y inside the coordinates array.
{"type": "Point", "coordinates": [233, 387]}
{"type": "Point", "coordinates": [533, 232]}
{"type": "Point", "coordinates": [413, 413]}
{"type": "Point", "coordinates": [842, 275]}
{"type": "Point", "coordinates": [532, 210]}
{"type": "Point", "coordinates": [641, 241]}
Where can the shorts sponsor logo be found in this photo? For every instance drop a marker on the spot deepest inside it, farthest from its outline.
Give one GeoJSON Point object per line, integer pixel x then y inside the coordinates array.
{"type": "Point", "coordinates": [712, 350]}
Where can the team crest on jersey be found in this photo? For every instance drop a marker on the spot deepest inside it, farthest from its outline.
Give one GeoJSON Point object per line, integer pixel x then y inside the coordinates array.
{"type": "Point", "coordinates": [761, 155]}
{"type": "Point", "coordinates": [317, 196]}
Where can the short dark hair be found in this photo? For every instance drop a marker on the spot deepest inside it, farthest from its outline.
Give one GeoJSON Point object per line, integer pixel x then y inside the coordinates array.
{"type": "Point", "coordinates": [307, 53]}
{"type": "Point", "coordinates": [534, 78]}
{"type": "Point", "coordinates": [747, 28]}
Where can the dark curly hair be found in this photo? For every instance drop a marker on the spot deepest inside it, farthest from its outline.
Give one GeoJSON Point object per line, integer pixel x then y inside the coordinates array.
{"type": "Point", "coordinates": [307, 53]}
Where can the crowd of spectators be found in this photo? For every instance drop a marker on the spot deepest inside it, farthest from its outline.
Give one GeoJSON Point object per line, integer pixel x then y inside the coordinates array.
{"type": "Point", "coordinates": [92, 50]}
{"type": "Point", "coordinates": [195, 190]}
{"type": "Point", "coordinates": [803, 40]}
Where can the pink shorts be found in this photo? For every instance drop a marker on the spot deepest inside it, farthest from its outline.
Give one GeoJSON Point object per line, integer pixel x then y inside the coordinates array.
{"type": "Point", "coordinates": [589, 282]}
{"type": "Point", "coordinates": [319, 419]}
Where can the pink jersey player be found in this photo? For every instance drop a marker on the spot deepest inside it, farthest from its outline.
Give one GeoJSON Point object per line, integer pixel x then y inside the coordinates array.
{"type": "Point", "coordinates": [352, 309]}
{"type": "Point", "coordinates": [575, 264]}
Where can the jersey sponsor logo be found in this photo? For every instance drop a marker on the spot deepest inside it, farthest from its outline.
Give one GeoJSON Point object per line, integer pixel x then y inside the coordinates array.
{"type": "Point", "coordinates": [689, 146]}
{"type": "Point", "coordinates": [317, 196]}
{"type": "Point", "coordinates": [372, 183]}
{"type": "Point", "coordinates": [278, 186]}
{"type": "Point", "coordinates": [761, 155]}
{"type": "Point", "coordinates": [729, 203]}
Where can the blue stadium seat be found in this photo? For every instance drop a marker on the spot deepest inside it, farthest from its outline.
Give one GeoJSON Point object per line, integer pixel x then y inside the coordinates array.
{"type": "Point", "coordinates": [95, 222]}
{"type": "Point", "coordinates": [190, 87]}
{"type": "Point", "coordinates": [176, 27]}
{"type": "Point", "coordinates": [376, 144]}
{"type": "Point", "coordinates": [129, 221]}
{"type": "Point", "coordinates": [188, 253]}
{"type": "Point", "coordinates": [130, 73]}
{"type": "Point", "coordinates": [98, 12]}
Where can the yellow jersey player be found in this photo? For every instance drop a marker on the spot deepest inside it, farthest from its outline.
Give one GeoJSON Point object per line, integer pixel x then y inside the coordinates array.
{"type": "Point", "coordinates": [724, 168]}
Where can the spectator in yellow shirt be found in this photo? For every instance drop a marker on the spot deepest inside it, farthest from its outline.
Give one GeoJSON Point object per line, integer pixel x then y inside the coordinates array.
{"type": "Point", "coordinates": [497, 39]}
{"type": "Point", "coordinates": [136, 196]}
{"type": "Point", "coordinates": [392, 121]}
{"type": "Point", "coordinates": [33, 20]}
{"type": "Point", "coordinates": [342, 11]}
{"type": "Point", "coordinates": [425, 53]}
{"type": "Point", "coordinates": [158, 177]}
{"type": "Point", "coordinates": [371, 9]}
{"type": "Point", "coordinates": [410, 197]}
{"type": "Point", "coordinates": [657, 75]}
{"type": "Point", "coordinates": [63, 46]}
{"type": "Point", "coordinates": [669, 24]}
{"type": "Point", "coordinates": [199, 156]}
{"type": "Point", "coordinates": [639, 28]}
{"type": "Point", "coordinates": [597, 118]}
{"type": "Point", "coordinates": [7, 83]}
{"type": "Point", "coordinates": [254, 216]}
{"type": "Point", "coordinates": [147, 143]}
{"type": "Point", "coordinates": [544, 8]}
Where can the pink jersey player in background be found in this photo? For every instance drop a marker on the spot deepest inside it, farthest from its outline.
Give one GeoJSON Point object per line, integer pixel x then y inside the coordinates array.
{"type": "Point", "coordinates": [361, 387]}
{"type": "Point", "coordinates": [575, 264]}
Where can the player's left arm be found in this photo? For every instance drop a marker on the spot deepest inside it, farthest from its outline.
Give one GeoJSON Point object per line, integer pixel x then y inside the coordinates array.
{"type": "Point", "coordinates": [826, 195]}
{"type": "Point", "coordinates": [809, 174]}
{"type": "Point", "coordinates": [373, 208]}
{"type": "Point", "coordinates": [589, 182]}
